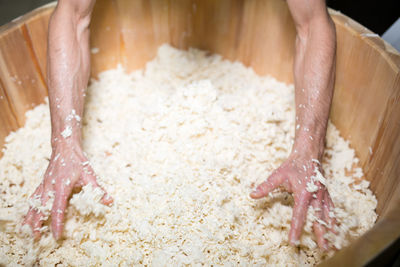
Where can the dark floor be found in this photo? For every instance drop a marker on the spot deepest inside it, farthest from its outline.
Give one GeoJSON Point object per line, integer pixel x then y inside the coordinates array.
{"type": "Point", "coordinates": [11, 9]}
{"type": "Point", "coordinates": [375, 15]}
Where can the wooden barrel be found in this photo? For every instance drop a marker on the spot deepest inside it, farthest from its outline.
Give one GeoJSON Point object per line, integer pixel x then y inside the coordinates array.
{"type": "Point", "coordinates": [260, 34]}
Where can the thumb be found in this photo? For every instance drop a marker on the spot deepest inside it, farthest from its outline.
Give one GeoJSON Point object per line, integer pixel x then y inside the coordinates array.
{"type": "Point", "coordinates": [272, 182]}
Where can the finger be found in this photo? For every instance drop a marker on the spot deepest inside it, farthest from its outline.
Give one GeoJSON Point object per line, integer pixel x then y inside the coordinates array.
{"type": "Point", "coordinates": [319, 231]}
{"type": "Point", "coordinates": [319, 228]}
{"type": "Point", "coordinates": [107, 199]}
{"type": "Point", "coordinates": [39, 216]}
{"type": "Point", "coordinates": [29, 218]}
{"type": "Point", "coordinates": [37, 224]}
{"type": "Point", "coordinates": [32, 211]}
{"type": "Point", "coordinates": [299, 217]}
{"type": "Point", "coordinates": [272, 182]}
{"type": "Point", "coordinates": [329, 216]}
{"type": "Point", "coordinates": [89, 178]}
{"type": "Point", "coordinates": [58, 210]}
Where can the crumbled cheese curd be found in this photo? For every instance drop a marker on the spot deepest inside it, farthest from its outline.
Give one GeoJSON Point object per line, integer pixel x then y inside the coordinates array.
{"type": "Point", "coordinates": [72, 116]}
{"type": "Point", "coordinates": [94, 50]}
{"type": "Point", "coordinates": [178, 145]}
{"type": "Point", "coordinates": [67, 132]}
{"type": "Point", "coordinates": [88, 201]}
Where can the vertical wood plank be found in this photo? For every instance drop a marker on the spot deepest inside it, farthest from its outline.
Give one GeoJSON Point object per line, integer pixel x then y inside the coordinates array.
{"type": "Point", "coordinates": [181, 24]}
{"type": "Point", "coordinates": [8, 121]}
{"type": "Point", "coordinates": [267, 39]}
{"type": "Point", "coordinates": [260, 34]}
{"type": "Point", "coordinates": [160, 17]}
{"type": "Point", "coordinates": [105, 37]}
{"type": "Point", "coordinates": [136, 25]}
{"type": "Point", "coordinates": [354, 92]}
{"type": "Point", "coordinates": [19, 73]}
{"type": "Point", "coordinates": [383, 166]}
{"type": "Point", "coordinates": [366, 104]}
{"type": "Point", "coordinates": [37, 30]}
{"type": "Point", "coordinates": [216, 26]}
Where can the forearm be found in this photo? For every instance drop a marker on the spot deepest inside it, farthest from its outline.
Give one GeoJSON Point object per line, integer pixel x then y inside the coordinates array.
{"type": "Point", "coordinates": [314, 71]}
{"type": "Point", "coordinates": [68, 72]}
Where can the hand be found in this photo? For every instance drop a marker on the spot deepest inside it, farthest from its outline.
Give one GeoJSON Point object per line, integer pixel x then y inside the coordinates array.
{"type": "Point", "coordinates": [295, 176]}
{"type": "Point", "coordinates": [68, 168]}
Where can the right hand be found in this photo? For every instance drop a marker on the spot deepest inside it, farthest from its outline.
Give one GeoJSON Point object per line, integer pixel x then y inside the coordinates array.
{"type": "Point", "coordinates": [68, 168]}
{"type": "Point", "coordinates": [294, 175]}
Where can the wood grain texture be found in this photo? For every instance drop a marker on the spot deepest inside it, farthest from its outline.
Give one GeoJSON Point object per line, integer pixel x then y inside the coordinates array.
{"type": "Point", "coordinates": [366, 109]}
{"type": "Point", "coordinates": [259, 33]}
{"type": "Point", "coordinates": [269, 38]}
{"type": "Point", "coordinates": [105, 37]}
{"type": "Point", "coordinates": [36, 30]}
{"type": "Point", "coordinates": [19, 72]}
{"type": "Point", "coordinates": [366, 94]}
{"type": "Point", "coordinates": [136, 28]}
{"type": "Point", "coordinates": [22, 61]}
{"type": "Point", "coordinates": [237, 30]}
{"type": "Point", "coordinates": [8, 121]}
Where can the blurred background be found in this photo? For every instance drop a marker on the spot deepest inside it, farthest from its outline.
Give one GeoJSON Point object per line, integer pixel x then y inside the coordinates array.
{"type": "Point", "coordinates": [375, 15]}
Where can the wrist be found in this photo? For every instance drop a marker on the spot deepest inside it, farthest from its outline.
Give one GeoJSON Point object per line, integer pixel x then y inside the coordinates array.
{"type": "Point", "coordinates": [65, 127]}
{"type": "Point", "coordinates": [307, 148]}
{"type": "Point", "coordinates": [69, 134]}
{"type": "Point", "coordinates": [309, 140]}
{"type": "Point", "coordinates": [59, 145]}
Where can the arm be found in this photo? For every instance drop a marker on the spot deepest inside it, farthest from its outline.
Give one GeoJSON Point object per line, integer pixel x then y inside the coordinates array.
{"type": "Point", "coordinates": [68, 74]}
{"type": "Point", "coordinates": [314, 70]}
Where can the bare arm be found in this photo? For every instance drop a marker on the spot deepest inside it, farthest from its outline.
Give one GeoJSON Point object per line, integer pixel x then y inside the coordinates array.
{"type": "Point", "coordinates": [314, 70]}
{"type": "Point", "coordinates": [68, 65]}
{"type": "Point", "coordinates": [68, 75]}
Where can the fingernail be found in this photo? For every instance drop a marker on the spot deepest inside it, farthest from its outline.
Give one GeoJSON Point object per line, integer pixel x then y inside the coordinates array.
{"type": "Point", "coordinates": [56, 235]}
{"type": "Point", "coordinates": [256, 191]}
{"type": "Point", "coordinates": [254, 194]}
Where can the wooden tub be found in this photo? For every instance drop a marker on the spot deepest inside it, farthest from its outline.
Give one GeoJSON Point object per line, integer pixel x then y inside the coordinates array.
{"type": "Point", "coordinates": [260, 34]}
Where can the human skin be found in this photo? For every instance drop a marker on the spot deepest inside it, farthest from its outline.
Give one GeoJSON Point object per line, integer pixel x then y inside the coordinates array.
{"type": "Point", "coordinates": [314, 71]}
{"type": "Point", "coordinates": [68, 75]}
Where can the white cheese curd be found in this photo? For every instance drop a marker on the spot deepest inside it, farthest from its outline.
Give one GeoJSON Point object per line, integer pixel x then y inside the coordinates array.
{"type": "Point", "coordinates": [67, 132]}
{"type": "Point", "coordinates": [178, 145]}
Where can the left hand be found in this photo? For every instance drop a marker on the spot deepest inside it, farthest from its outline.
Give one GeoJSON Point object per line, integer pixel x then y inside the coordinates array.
{"type": "Point", "coordinates": [294, 175]}
{"type": "Point", "coordinates": [68, 168]}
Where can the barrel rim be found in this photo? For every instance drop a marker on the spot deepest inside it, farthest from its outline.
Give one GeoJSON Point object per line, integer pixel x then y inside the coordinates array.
{"type": "Point", "coordinates": [391, 55]}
